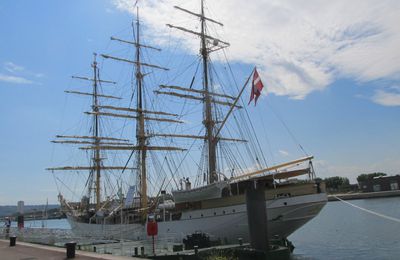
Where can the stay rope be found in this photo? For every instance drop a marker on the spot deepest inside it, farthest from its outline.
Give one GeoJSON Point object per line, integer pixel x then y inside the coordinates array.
{"type": "Point", "coordinates": [369, 211]}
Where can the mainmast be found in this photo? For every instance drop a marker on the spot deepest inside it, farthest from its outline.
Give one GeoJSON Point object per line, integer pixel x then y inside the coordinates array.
{"type": "Point", "coordinates": [97, 159]}
{"type": "Point", "coordinates": [140, 128]}
{"type": "Point", "coordinates": [140, 115]}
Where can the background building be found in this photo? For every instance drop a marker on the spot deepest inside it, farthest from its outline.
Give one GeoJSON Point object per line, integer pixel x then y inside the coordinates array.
{"type": "Point", "coordinates": [384, 183]}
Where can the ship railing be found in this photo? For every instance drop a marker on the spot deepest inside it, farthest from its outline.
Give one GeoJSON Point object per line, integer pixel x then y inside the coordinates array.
{"type": "Point", "coordinates": [162, 245]}
{"type": "Point", "coordinates": [49, 236]}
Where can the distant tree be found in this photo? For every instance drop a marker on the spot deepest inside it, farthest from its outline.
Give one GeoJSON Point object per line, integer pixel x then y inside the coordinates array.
{"type": "Point", "coordinates": [337, 183]}
{"type": "Point", "coordinates": [369, 176]}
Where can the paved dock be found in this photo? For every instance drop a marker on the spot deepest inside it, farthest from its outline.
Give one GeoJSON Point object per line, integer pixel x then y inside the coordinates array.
{"type": "Point", "coordinates": [27, 251]}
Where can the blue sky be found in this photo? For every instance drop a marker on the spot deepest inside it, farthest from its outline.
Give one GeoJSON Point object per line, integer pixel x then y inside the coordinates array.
{"type": "Point", "coordinates": [337, 89]}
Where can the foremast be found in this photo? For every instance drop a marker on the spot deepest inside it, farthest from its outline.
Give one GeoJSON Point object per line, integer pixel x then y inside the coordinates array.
{"type": "Point", "coordinates": [208, 117]}
{"type": "Point", "coordinates": [209, 122]}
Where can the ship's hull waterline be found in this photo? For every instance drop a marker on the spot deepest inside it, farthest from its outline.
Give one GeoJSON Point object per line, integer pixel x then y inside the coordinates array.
{"type": "Point", "coordinates": [285, 215]}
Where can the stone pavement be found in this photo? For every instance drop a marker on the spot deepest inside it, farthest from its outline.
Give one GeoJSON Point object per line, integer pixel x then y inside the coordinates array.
{"type": "Point", "coordinates": [27, 251]}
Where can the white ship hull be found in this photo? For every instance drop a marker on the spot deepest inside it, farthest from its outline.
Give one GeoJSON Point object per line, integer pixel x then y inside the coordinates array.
{"type": "Point", "coordinates": [285, 215]}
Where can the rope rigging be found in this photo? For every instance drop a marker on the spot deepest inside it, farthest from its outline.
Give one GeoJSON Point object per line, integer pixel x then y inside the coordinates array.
{"type": "Point", "coordinates": [368, 210]}
{"type": "Point", "coordinates": [231, 159]}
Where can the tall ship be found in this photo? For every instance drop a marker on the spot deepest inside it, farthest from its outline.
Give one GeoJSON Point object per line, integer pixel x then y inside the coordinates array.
{"type": "Point", "coordinates": [188, 183]}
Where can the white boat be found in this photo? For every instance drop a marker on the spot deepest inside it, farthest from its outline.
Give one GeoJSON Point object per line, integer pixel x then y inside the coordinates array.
{"type": "Point", "coordinates": [228, 223]}
{"type": "Point", "coordinates": [216, 206]}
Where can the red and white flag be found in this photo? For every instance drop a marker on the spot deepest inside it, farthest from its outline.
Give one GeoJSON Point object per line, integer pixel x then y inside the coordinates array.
{"type": "Point", "coordinates": [256, 87]}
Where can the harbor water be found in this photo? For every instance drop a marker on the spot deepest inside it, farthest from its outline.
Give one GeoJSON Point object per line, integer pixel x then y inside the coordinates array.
{"type": "Point", "coordinates": [340, 231]}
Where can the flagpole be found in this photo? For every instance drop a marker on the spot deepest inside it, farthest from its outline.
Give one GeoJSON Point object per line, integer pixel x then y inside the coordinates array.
{"type": "Point", "coordinates": [233, 105]}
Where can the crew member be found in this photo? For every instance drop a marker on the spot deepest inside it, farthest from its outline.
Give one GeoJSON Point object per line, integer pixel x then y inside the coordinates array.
{"type": "Point", "coordinates": [7, 224]}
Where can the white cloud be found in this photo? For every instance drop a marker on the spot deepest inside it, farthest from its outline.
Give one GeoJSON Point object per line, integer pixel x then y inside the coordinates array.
{"type": "Point", "coordinates": [283, 152]}
{"type": "Point", "coordinates": [299, 46]}
{"type": "Point", "coordinates": [14, 79]}
{"type": "Point", "coordinates": [17, 74]}
{"type": "Point", "coordinates": [387, 97]}
{"type": "Point", "coordinates": [11, 67]}
{"type": "Point", "coordinates": [109, 10]}
{"type": "Point", "coordinates": [38, 75]}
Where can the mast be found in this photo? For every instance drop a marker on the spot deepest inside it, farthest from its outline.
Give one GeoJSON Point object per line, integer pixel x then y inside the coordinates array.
{"type": "Point", "coordinates": [208, 118]}
{"type": "Point", "coordinates": [98, 143]}
{"type": "Point", "coordinates": [141, 115]}
{"type": "Point", "coordinates": [209, 123]}
{"type": "Point", "coordinates": [97, 159]}
{"type": "Point", "coordinates": [140, 131]}
{"type": "Point", "coordinates": [207, 93]}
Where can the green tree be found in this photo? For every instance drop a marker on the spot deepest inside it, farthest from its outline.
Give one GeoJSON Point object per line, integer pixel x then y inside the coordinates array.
{"type": "Point", "coordinates": [337, 183]}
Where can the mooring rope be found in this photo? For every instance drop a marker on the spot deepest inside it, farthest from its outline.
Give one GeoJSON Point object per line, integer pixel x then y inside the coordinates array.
{"type": "Point", "coordinates": [369, 211]}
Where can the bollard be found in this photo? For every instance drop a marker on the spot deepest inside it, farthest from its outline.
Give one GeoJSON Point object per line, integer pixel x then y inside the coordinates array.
{"type": "Point", "coordinates": [20, 221]}
{"type": "Point", "coordinates": [240, 241]}
{"type": "Point", "coordinates": [70, 249]}
{"type": "Point", "coordinates": [196, 249]}
{"type": "Point", "coordinates": [13, 240]}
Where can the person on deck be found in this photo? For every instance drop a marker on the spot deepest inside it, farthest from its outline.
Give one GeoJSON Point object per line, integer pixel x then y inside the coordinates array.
{"type": "Point", "coordinates": [188, 184]}
{"type": "Point", "coordinates": [7, 224]}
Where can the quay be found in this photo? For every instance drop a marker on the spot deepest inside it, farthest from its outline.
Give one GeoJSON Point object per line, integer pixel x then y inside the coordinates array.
{"type": "Point", "coordinates": [30, 251]}
{"type": "Point", "coordinates": [364, 195]}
